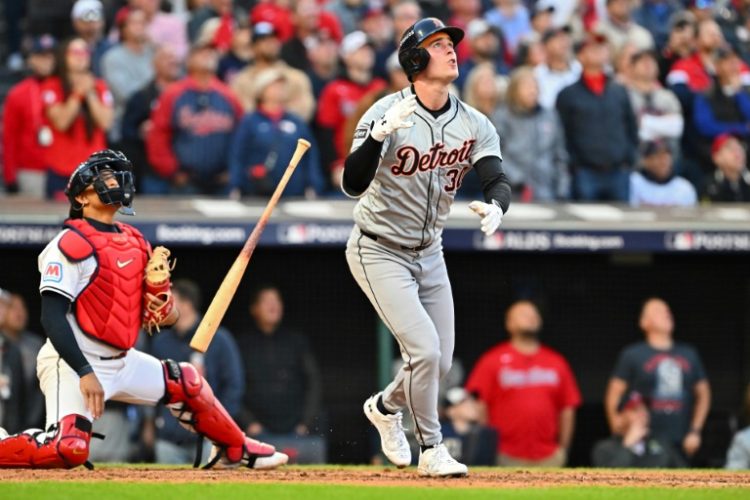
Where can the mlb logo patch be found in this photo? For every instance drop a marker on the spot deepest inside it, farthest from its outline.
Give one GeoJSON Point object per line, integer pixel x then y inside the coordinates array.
{"type": "Point", "coordinates": [53, 272]}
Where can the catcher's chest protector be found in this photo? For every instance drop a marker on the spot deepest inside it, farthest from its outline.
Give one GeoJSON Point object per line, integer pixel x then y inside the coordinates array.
{"type": "Point", "coordinates": [110, 307]}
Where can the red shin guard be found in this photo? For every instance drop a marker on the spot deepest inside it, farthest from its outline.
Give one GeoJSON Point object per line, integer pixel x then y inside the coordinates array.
{"type": "Point", "coordinates": [192, 402]}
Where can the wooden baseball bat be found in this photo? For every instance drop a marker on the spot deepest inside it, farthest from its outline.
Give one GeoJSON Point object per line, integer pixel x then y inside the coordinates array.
{"type": "Point", "coordinates": [215, 313]}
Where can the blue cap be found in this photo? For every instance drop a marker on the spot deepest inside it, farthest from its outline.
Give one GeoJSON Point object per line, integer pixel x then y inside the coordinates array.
{"type": "Point", "coordinates": [42, 43]}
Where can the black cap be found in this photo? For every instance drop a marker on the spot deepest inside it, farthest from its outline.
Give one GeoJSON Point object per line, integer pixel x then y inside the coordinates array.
{"type": "Point", "coordinates": [553, 32]}
{"type": "Point", "coordinates": [42, 43]}
{"type": "Point", "coordinates": [263, 29]}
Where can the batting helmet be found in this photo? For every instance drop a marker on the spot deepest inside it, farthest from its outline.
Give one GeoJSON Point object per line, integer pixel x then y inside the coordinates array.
{"type": "Point", "coordinates": [414, 58]}
{"type": "Point", "coordinates": [96, 170]}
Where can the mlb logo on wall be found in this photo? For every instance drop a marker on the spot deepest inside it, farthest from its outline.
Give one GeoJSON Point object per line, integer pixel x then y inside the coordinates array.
{"type": "Point", "coordinates": [53, 272]}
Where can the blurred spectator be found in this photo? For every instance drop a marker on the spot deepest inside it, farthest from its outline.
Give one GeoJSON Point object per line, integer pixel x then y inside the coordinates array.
{"type": "Point", "coordinates": [619, 28]}
{"type": "Point", "coordinates": [463, 12]}
{"type": "Point", "coordinates": [655, 184]}
{"type": "Point", "coordinates": [397, 80]}
{"type": "Point", "coordinates": [226, 15]}
{"type": "Point", "coordinates": [25, 133]}
{"type": "Point", "coordinates": [730, 182]}
{"type": "Point", "coordinates": [738, 454]}
{"type": "Point", "coordinates": [265, 141]}
{"type": "Point", "coordinates": [78, 106]}
{"type": "Point", "coordinates": [622, 62]}
{"type": "Point", "coordinates": [240, 54]}
{"type": "Point", "coordinates": [669, 375]}
{"type": "Point", "coordinates": [348, 12]}
{"type": "Point", "coordinates": [12, 387]}
{"type": "Point", "coordinates": [276, 12]}
{"type": "Point", "coordinates": [541, 17]}
{"type": "Point", "coordinates": [534, 155]}
{"type": "Point", "coordinates": [635, 446]}
{"type": "Point", "coordinates": [466, 438]}
{"type": "Point", "coordinates": [680, 43]}
{"type": "Point", "coordinates": [657, 109]}
{"type": "Point", "coordinates": [13, 328]}
{"type": "Point", "coordinates": [693, 73]}
{"type": "Point", "coordinates": [689, 76]}
{"type": "Point", "coordinates": [404, 13]}
{"type": "Point", "coordinates": [486, 44]}
{"type": "Point", "coordinates": [530, 52]}
{"type": "Point", "coordinates": [702, 9]}
{"type": "Point", "coordinates": [192, 127]}
{"type": "Point", "coordinates": [221, 366]}
{"type": "Point", "coordinates": [484, 88]}
{"type": "Point", "coordinates": [560, 68]}
{"type": "Point", "coordinates": [127, 66]}
{"type": "Point", "coordinates": [136, 122]}
{"type": "Point", "coordinates": [378, 26]}
{"type": "Point", "coordinates": [512, 18]}
{"type": "Point", "coordinates": [88, 24]}
{"type": "Point", "coordinates": [339, 98]}
{"type": "Point", "coordinates": [309, 21]}
{"type": "Point", "coordinates": [267, 49]}
{"type": "Point", "coordinates": [322, 54]}
{"type": "Point", "coordinates": [164, 28]}
{"type": "Point", "coordinates": [724, 108]}
{"type": "Point", "coordinates": [655, 16]}
{"type": "Point", "coordinates": [529, 392]}
{"type": "Point", "coordinates": [283, 384]}
{"type": "Point", "coordinates": [600, 129]}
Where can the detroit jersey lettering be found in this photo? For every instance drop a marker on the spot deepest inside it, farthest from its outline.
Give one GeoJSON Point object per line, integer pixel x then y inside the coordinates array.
{"type": "Point", "coordinates": [420, 169]}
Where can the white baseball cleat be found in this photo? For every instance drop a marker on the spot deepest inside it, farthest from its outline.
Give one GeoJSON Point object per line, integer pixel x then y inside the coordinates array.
{"type": "Point", "coordinates": [392, 438]}
{"type": "Point", "coordinates": [267, 463]}
{"type": "Point", "coordinates": [3, 433]}
{"type": "Point", "coordinates": [437, 462]}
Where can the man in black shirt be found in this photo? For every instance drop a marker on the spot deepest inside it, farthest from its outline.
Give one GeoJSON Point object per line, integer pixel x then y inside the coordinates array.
{"type": "Point", "coordinates": [669, 375]}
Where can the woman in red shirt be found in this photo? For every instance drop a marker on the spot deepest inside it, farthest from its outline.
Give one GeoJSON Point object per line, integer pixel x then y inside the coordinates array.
{"type": "Point", "coordinates": [78, 108]}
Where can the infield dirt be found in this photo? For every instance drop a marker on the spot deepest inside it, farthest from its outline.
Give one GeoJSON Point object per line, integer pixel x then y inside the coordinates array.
{"type": "Point", "coordinates": [485, 478]}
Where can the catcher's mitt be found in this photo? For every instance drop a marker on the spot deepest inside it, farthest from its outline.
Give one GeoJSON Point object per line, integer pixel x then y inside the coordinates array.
{"type": "Point", "coordinates": [158, 303]}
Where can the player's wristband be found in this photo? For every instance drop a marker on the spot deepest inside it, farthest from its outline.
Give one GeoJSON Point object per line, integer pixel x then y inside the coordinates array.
{"type": "Point", "coordinates": [84, 370]}
{"type": "Point", "coordinates": [695, 431]}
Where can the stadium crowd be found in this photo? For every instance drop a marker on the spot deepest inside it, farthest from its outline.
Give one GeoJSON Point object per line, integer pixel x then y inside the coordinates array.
{"type": "Point", "coordinates": [617, 100]}
{"type": "Point", "coordinates": [642, 102]}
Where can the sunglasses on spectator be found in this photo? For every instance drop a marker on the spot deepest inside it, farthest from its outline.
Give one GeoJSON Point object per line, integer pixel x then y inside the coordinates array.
{"type": "Point", "coordinates": [90, 16]}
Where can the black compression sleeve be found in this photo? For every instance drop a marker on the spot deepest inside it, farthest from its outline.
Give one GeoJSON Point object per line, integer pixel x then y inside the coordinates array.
{"type": "Point", "coordinates": [54, 309]}
{"type": "Point", "coordinates": [361, 165]}
{"type": "Point", "coordinates": [495, 185]}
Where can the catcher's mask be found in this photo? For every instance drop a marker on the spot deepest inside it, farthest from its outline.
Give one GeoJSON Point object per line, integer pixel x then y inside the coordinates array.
{"type": "Point", "coordinates": [96, 170]}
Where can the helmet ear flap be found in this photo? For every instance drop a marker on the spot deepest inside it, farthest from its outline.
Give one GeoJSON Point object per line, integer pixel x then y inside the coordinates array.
{"type": "Point", "coordinates": [416, 60]}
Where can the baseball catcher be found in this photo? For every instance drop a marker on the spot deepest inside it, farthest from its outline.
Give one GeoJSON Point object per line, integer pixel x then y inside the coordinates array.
{"type": "Point", "coordinates": [100, 283]}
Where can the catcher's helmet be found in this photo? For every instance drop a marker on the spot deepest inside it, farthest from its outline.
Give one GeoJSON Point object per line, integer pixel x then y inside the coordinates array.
{"type": "Point", "coordinates": [95, 171]}
{"type": "Point", "coordinates": [414, 58]}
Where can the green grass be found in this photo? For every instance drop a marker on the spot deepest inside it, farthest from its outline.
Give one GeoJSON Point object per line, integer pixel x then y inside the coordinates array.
{"type": "Point", "coordinates": [139, 491]}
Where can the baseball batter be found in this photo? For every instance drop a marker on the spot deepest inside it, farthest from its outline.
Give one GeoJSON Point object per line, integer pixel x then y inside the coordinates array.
{"type": "Point", "coordinates": [411, 151]}
{"type": "Point", "coordinates": [100, 283]}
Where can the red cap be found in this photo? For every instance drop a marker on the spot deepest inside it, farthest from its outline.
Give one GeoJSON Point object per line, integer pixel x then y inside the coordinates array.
{"type": "Point", "coordinates": [122, 16]}
{"type": "Point", "coordinates": [719, 142]}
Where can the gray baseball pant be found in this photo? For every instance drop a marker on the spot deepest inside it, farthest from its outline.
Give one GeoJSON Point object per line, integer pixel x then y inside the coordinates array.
{"type": "Point", "coordinates": [412, 295]}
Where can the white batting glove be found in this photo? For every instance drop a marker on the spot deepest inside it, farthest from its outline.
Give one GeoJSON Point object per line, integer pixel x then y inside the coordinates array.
{"type": "Point", "coordinates": [394, 118]}
{"type": "Point", "coordinates": [491, 213]}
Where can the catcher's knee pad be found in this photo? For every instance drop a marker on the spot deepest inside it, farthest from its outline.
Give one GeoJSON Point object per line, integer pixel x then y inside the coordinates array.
{"type": "Point", "coordinates": [192, 402]}
{"type": "Point", "coordinates": [63, 447]}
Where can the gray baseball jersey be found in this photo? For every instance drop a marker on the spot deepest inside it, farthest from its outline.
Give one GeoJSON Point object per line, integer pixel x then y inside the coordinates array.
{"type": "Point", "coordinates": [420, 169]}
